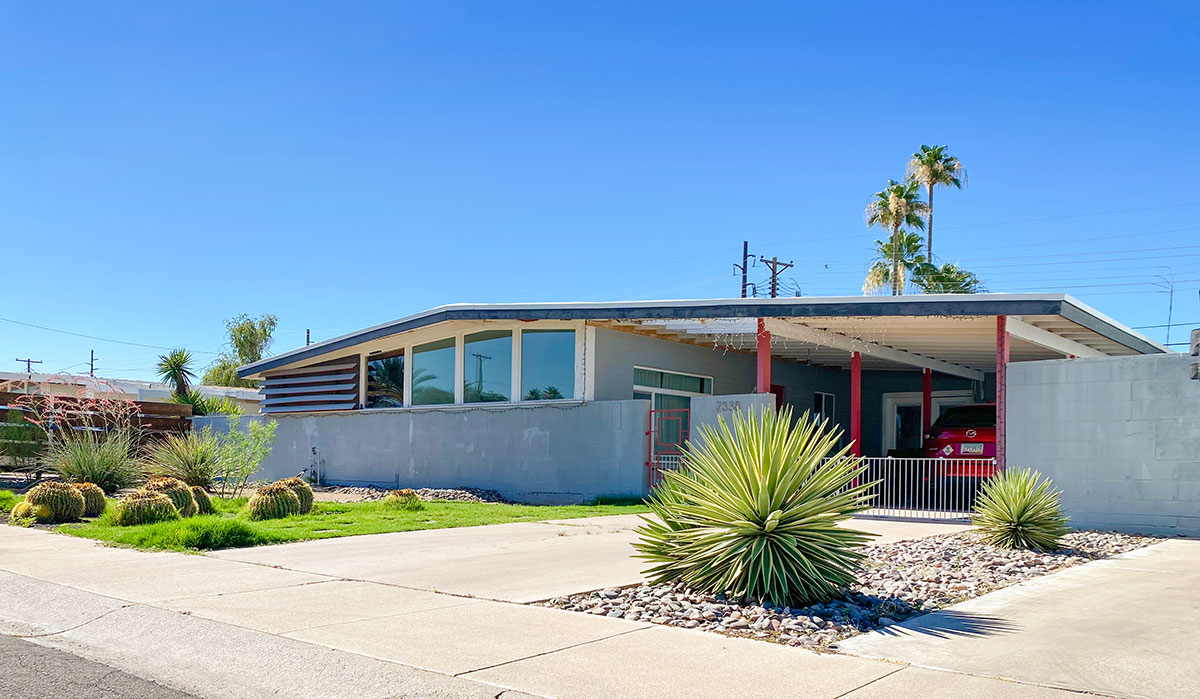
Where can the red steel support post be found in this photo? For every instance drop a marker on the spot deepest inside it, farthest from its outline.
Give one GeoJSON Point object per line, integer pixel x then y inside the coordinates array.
{"type": "Point", "coordinates": [764, 358]}
{"type": "Point", "coordinates": [1001, 388]}
{"type": "Point", "coordinates": [856, 403]}
{"type": "Point", "coordinates": [926, 401]}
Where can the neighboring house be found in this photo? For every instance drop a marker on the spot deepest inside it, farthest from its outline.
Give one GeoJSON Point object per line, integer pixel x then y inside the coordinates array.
{"type": "Point", "coordinates": [567, 401]}
{"type": "Point", "coordinates": [124, 389]}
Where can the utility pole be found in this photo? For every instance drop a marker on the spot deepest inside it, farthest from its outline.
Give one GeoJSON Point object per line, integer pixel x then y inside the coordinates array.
{"type": "Point", "coordinates": [92, 364]}
{"type": "Point", "coordinates": [307, 337]}
{"type": "Point", "coordinates": [29, 364]}
{"type": "Point", "coordinates": [1169, 285]}
{"type": "Point", "coordinates": [479, 371]}
{"type": "Point", "coordinates": [776, 267]}
{"type": "Point", "coordinates": [29, 373]}
{"type": "Point", "coordinates": [745, 264]}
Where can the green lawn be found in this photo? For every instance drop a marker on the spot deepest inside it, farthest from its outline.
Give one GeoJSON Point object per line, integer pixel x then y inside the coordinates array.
{"type": "Point", "coordinates": [230, 528]}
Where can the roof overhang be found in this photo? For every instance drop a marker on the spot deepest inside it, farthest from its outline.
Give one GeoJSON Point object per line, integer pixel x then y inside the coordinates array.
{"type": "Point", "coordinates": [1054, 315]}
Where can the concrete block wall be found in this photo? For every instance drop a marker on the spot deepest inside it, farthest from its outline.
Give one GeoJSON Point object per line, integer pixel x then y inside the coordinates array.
{"type": "Point", "coordinates": [1119, 435]}
{"type": "Point", "coordinates": [544, 454]}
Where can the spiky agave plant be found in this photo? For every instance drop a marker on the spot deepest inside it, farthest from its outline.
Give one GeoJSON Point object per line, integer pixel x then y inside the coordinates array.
{"type": "Point", "coordinates": [754, 512]}
{"type": "Point", "coordinates": [1017, 509]}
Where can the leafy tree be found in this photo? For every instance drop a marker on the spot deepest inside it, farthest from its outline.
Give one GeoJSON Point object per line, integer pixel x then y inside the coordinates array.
{"type": "Point", "coordinates": [933, 167]}
{"type": "Point", "coordinates": [241, 452]}
{"type": "Point", "coordinates": [896, 206]}
{"type": "Point", "coordinates": [249, 340]}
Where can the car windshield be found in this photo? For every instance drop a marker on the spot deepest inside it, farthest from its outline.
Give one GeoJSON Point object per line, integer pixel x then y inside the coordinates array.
{"type": "Point", "coordinates": [968, 416]}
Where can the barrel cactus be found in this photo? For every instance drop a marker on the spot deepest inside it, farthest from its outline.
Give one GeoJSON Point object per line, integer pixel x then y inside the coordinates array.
{"type": "Point", "coordinates": [145, 507]}
{"type": "Point", "coordinates": [24, 510]}
{"type": "Point", "coordinates": [204, 504]}
{"type": "Point", "coordinates": [93, 499]}
{"type": "Point", "coordinates": [302, 490]}
{"type": "Point", "coordinates": [273, 502]}
{"type": "Point", "coordinates": [62, 499]}
{"type": "Point", "coordinates": [177, 491]}
{"type": "Point", "coordinates": [404, 499]}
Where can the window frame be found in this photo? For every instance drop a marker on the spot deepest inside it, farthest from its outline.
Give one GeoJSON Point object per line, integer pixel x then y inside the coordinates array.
{"type": "Point", "coordinates": [672, 391]}
{"type": "Point", "coordinates": [583, 361]}
{"type": "Point", "coordinates": [832, 398]}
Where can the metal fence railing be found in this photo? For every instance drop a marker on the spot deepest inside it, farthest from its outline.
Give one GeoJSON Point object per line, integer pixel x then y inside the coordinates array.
{"type": "Point", "coordinates": [923, 488]}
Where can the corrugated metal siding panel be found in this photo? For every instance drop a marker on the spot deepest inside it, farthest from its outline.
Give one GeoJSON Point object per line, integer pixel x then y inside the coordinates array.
{"type": "Point", "coordinates": [320, 388]}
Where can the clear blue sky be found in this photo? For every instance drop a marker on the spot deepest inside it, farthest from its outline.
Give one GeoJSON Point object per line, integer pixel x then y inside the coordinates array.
{"type": "Point", "coordinates": [164, 166]}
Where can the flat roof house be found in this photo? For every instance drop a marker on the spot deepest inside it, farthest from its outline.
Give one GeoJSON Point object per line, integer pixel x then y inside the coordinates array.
{"type": "Point", "coordinates": [568, 401]}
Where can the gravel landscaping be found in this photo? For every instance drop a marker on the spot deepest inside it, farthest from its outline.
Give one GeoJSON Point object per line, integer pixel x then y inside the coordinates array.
{"type": "Point", "coordinates": [901, 580]}
{"type": "Point", "coordinates": [369, 493]}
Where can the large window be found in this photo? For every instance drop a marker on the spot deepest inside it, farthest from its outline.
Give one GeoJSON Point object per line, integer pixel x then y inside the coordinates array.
{"type": "Point", "coordinates": [547, 364]}
{"type": "Point", "coordinates": [823, 406]}
{"type": "Point", "coordinates": [687, 383]}
{"type": "Point", "coordinates": [433, 373]}
{"type": "Point", "coordinates": [487, 366]}
{"type": "Point", "coordinates": [385, 381]}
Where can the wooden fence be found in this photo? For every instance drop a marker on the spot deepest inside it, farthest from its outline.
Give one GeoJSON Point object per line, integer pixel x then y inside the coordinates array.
{"type": "Point", "coordinates": [60, 413]}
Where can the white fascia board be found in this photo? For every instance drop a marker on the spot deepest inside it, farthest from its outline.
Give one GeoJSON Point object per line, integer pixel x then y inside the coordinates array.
{"type": "Point", "coordinates": [1044, 338]}
{"type": "Point", "coordinates": [804, 333]}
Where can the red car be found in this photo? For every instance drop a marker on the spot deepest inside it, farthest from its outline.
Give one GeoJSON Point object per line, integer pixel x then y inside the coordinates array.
{"type": "Point", "coordinates": [964, 432]}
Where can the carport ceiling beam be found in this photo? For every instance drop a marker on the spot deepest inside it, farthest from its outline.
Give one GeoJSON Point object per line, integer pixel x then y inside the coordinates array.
{"type": "Point", "coordinates": [804, 333]}
{"type": "Point", "coordinates": [1044, 338]}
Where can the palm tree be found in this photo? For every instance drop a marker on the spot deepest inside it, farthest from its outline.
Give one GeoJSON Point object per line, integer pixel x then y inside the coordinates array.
{"type": "Point", "coordinates": [947, 279]}
{"type": "Point", "coordinates": [175, 368]}
{"type": "Point", "coordinates": [896, 265]}
{"type": "Point", "coordinates": [932, 167]}
{"type": "Point", "coordinates": [898, 205]}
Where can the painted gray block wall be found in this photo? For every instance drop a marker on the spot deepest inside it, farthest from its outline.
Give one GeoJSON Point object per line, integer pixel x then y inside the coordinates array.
{"type": "Point", "coordinates": [544, 454]}
{"type": "Point", "coordinates": [1119, 435]}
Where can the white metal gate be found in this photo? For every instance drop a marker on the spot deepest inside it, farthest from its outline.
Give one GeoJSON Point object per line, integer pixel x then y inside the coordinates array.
{"type": "Point", "coordinates": [923, 488]}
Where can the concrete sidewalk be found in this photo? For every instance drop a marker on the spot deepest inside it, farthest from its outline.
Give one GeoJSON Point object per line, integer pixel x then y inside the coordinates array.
{"type": "Point", "coordinates": [217, 627]}
{"type": "Point", "coordinates": [1124, 627]}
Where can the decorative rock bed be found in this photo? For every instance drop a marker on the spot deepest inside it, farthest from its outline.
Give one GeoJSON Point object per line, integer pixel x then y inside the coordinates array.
{"type": "Point", "coordinates": [901, 580]}
{"type": "Point", "coordinates": [369, 493]}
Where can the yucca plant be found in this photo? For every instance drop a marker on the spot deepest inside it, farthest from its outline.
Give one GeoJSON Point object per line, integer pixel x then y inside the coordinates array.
{"type": "Point", "coordinates": [754, 512]}
{"type": "Point", "coordinates": [89, 457]}
{"type": "Point", "coordinates": [192, 457]}
{"type": "Point", "coordinates": [1017, 509]}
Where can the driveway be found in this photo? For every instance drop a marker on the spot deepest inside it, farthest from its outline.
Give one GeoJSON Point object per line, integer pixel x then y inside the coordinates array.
{"type": "Point", "coordinates": [520, 562]}
{"type": "Point", "coordinates": [1128, 626]}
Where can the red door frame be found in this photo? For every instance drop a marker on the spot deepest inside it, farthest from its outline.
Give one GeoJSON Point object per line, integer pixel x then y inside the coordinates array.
{"type": "Point", "coordinates": [856, 404]}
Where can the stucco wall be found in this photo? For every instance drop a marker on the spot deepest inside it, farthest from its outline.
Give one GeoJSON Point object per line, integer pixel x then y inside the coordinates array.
{"type": "Point", "coordinates": [1119, 435]}
{"type": "Point", "coordinates": [565, 453]}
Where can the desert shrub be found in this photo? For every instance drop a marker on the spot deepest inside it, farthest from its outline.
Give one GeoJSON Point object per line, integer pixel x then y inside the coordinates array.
{"type": "Point", "coordinates": [24, 511]}
{"type": "Point", "coordinates": [204, 504]}
{"type": "Point", "coordinates": [7, 499]}
{"type": "Point", "coordinates": [754, 512]}
{"type": "Point", "coordinates": [91, 457]}
{"type": "Point", "coordinates": [1018, 510]}
{"type": "Point", "coordinates": [144, 507]}
{"type": "Point", "coordinates": [303, 492]}
{"type": "Point", "coordinates": [93, 499]}
{"type": "Point", "coordinates": [242, 452]}
{"type": "Point", "coordinates": [273, 501]}
{"type": "Point", "coordinates": [404, 499]}
{"type": "Point", "coordinates": [178, 492]}
{"type": "Point", "coordinates": [63, 500]}
{"type": "Point", "coordinates": [191, 457]}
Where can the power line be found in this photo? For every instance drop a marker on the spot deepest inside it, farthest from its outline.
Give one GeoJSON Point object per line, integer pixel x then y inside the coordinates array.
{"type": "Point", "coordinates": [1066, 216]}
{"type": "Point", "coordinates": [94, 337]}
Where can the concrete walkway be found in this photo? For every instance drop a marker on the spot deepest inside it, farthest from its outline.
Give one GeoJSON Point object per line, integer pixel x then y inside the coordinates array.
{"type": "Point", "coordinates": [402, 617]}
{"type": "Point", "coordinates": [1128, 626]}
